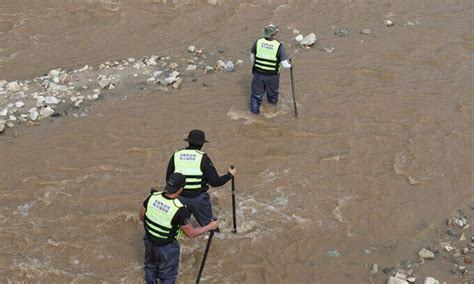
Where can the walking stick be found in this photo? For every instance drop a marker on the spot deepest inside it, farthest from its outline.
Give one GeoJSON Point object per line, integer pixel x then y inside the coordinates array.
{"type": "Point", "coordinates": [293, 88]}
{"type": "Point", "coordinates": [208, 245]}
{"type": "Point", "coordinates": [234, 218]}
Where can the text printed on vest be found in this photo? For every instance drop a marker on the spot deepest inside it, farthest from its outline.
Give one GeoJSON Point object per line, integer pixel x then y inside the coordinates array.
{"type": "Point", "coordinates": [161, 206]}
{"type": "Point", "coordinates": [187, 157]}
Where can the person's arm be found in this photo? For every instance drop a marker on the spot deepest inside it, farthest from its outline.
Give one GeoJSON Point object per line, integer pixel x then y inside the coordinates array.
{"type": "Point", "coordinates": [184, 221]}
{"type": "Point", "coordinates": [211, 175]}
{"type": "Point", "coordinates": [192, 232]}
{"type": "Point", "coordinates": [141, 214]}
{"type": "Point", "coordinates": [283, 57]}
{"type": "Point", "coordinates": [170, 169]}
{"type": "Point", "coordinates": [252, 52]}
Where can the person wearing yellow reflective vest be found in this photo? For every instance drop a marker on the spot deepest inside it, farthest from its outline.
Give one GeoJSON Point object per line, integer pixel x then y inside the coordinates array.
{"type": "Point", "coordinates": [165, 218]}
{"type": "Point", "coordinates": [267, 54]}
{"type": "Point", "coordinates": [200, 172]}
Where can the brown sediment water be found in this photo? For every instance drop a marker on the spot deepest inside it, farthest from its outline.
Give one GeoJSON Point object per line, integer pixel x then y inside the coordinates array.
{"type": "Point", "coordinates": [382, 148]}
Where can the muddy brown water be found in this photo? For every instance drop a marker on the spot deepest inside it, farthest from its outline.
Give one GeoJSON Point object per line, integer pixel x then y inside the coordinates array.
{"type": "Point", "coordinates": [382, 149]}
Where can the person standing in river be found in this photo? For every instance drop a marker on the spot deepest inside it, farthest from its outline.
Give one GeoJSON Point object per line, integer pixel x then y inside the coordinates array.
{"type": "Point", "coordinates": [266, 56]}
{"type": "Point", "coordinates": [164, 218]}
{"type": "Point", "coordinates": [200, 172]}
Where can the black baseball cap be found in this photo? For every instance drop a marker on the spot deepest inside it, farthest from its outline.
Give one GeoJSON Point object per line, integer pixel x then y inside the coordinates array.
{"type": "Point", "coordinates": [196, 137]}
{"type": "Point", "coordinates": [175, 182]}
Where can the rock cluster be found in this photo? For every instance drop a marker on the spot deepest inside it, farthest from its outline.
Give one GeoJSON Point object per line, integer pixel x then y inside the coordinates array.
{"type": "Point", "coordinates": [61, 92]}
{"type": "Point", "coordinates": [454, 249]}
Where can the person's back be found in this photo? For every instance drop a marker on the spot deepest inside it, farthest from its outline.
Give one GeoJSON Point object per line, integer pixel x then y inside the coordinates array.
{"type": "Point", "coordinates": [200, 173]}
{"type": "Point", "coordinates": [266, 56]}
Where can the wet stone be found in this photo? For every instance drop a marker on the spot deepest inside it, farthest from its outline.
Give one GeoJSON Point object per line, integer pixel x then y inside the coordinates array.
{"type": "Point", "coordinates": [366, 31]}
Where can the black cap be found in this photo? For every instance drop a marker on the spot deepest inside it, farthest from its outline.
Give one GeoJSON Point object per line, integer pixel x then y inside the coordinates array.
{"type": "Point", "coordinates": [196, 137]}
{"type": "Point", "coordinates": [175, 182]}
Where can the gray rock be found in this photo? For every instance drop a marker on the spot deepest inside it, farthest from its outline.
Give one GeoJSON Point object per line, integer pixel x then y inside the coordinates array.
{"type": "Point", "coordinates": [19, 104]}
{"type": "Point", "coordinates": [191, 67]}
{"type": "Point", "coordinates": [13, 87]}
{"type": "Point", "coordinates": [374, 269]}
{"type": "Point", "coordinates": [104, 82]}
{"type": "Point", "coordinates": [2, 125]}
{"type": "Point", "coordinates": [10, 124]}
{"type": "Point", "coordinates": [229, 66]}
{"type": "Point", "coordinates": [209, 69]}
{"type": "Point", "coordinates": [342, 32]}
{"type": "Point", "coordinates": [12, 118]}
{"type": "Point", "coordinates": [394, 280]}
{"type": "Point", "coordinates": [50, 100]}
{"type": "Point", "coordinates": [55, 88]}
{"type": "Point", "coordinates": [34, 114]}
{"type": "Point", "coordinates": [46, 112]}
{"type": "Point", "coordinates": [333, 253]}
{"type": "Point", "coordinates": [430, 280]}
{"type": "Point", "coordinates": [308, 40]}
{"type": "Point", "coordinates": [366, 31]}
{"type": "Point", "coordinates": [191, 48]}
{"type": "Point", "coordinates": [426, 254]}
{"type": "Point", "coordinates": [4, 112]}
{"type": "Point", "coordinates": [157, 74]}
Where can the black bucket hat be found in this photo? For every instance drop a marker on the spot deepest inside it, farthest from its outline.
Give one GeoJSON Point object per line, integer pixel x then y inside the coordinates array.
{"type": "Point", "coordinates": [175, 182]}
{"type": "Point", "coordinates": [196, 137]}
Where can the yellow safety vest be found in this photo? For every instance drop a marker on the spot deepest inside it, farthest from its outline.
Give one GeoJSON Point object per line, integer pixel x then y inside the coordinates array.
{"type": "Point", "coordinates": [188, 162]}
{"type": "Point", "coordinates": [266, 60]}
{"type": "Point", "coordinates": [159, 214]}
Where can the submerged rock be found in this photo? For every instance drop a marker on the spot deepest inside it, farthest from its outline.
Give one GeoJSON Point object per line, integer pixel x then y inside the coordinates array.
{"type": "Point", "coordinates": [426, 254]}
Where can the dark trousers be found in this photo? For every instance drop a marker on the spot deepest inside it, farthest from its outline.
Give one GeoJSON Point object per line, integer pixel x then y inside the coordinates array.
{"type": "Point", "coordinates": [161, 262]}
{"type": "Point", "coordinates": [261, 85]}
{"type": "Point", "coordinates": [200, 207]}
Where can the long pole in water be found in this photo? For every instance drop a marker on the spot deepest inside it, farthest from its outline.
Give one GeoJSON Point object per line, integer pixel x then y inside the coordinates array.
{"type": "Point", "coordinates": [208, 245]}
{"type": "Point", "coordinates": [293, 89]}
{"type": "Point", "coordinates": [234, 218]}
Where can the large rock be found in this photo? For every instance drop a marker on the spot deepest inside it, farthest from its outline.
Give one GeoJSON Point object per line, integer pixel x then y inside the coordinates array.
{"type": "Point", "coordinates": [13, 87]}
{"type": "Point", "coordinates": [430, 280]}
{"type": "Point", "coordinates": [2, 125]}
{"type": "Point", "coordinates": [50, 100]}
{"type": "Point", "coordinates": [426, 254]}
{"type": "Point", "coordinates": [46, 112]}
{"type": "Point", "coordinates": [104, 82]}
{"type": "Point", "coordinates": [229, 66]}
{"type": "Point", "coordinates": [55, 88]}
{"type": "Point", "coordinates": [394, 280]}
{"type": "Point", "coordinates": [308, 40]}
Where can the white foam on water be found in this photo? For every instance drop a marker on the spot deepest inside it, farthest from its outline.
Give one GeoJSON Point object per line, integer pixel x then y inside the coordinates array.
{"type": "Point", "coordinates": [246, 116]}
{"type": "Point", "coordinates": [24, 209]}
{"type": "Point", "coordinates": [341, 203]}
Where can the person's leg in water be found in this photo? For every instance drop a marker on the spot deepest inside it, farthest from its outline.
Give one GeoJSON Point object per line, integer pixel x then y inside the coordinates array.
{"type": "Point", "coordinates": [258, 91]}
{"type": "Point", "coordinates": [273, 88]}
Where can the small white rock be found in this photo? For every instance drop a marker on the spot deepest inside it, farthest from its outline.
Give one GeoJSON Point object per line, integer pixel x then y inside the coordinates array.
{"type": "Point", "coordinates": [388, 23]}
{"type": "Point", "coordinates": [295, 31]}
{"type": "Point", "coordinates": [12, 118]}
{"type": "Point", "coordinates": [3, 83]}
{"type": "Point", "coordinates": [191, 67]}
{"type": "Point", "coordinates": [151, 80]}
{"type": "Point", "coordinates": [104, 83]}
{"type": "Point", "coordinates": [2, 125]}
{"type": "Point", "coordinates": [157, 74]}
{"type": "Point", "coordinates": [430, 280]}
{"type": "Point", "coordinates": [366, 31]}
{"type": "Point", "coordinates": [4, 112]}
{"type": "Point", "coordinates": [191, 48]}
{"type": "Point", "coordinates": [78, 102]}
{"type": "Point", "coordinates": [239, 62]}
{"type": "Point", "coordinates": [410, 23]}
{"type": "Point", "coordinates": [209, 69]}
{"type": "Point", "coordinates": [95, 96]}
{"type": "Point", "coordinates": [299, 38]}
{"type": "Point", "coordinates": [34, 114]}
{"type": "Point", "coordinates": [394, 280]}
{"type": "Point", "coordinates": [96, 91]}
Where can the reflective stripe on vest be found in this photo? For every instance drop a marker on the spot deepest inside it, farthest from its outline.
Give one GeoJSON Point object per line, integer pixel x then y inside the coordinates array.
{"type": "Point", "coordinates": [188, 162]}
{"type": "Point", "coordinates": [159, 214]}
{"type": "Point", "coordinates": [266, 59]}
